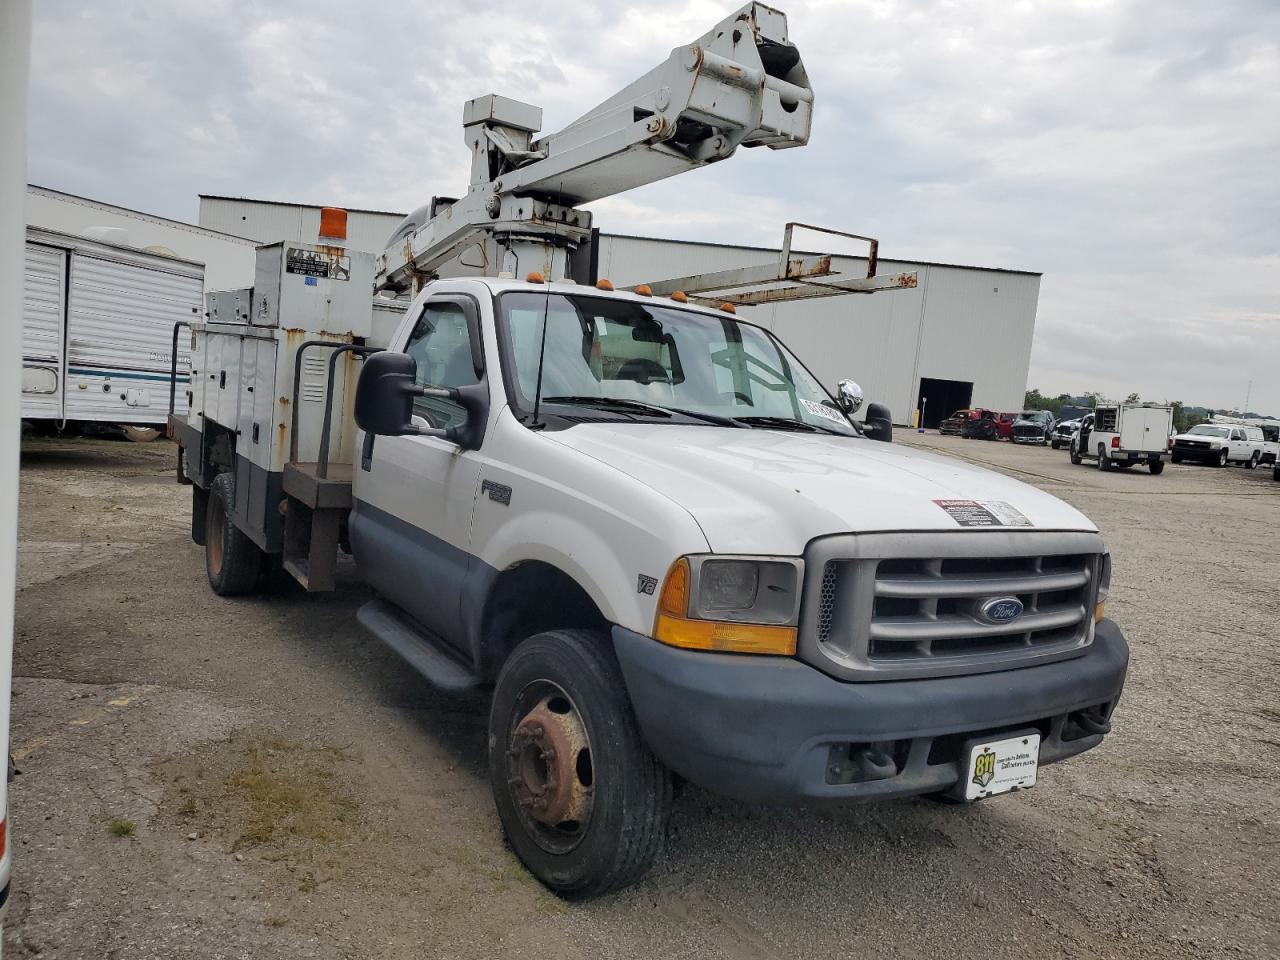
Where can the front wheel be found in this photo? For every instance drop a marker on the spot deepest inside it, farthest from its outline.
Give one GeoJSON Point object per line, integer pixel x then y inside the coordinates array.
{"type": "Point", "coordinates": [1222, 458]}
{"type": "Point", "coordinates": [1176, 459]}
{"type": "Point", "coordinates": [583, 802]}
{"type": "Point", "coordinates": [1055, 444]}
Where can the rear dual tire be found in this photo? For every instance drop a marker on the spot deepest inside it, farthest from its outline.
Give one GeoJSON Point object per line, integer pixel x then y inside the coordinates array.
{"type": "Point", "coordinates": [232, 561]}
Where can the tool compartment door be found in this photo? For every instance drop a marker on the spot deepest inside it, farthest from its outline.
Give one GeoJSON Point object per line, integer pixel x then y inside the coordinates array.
{"type": "Point", "coordinates": [43, 306]}
{"type": "Point", "coordinates": [1145, 429]}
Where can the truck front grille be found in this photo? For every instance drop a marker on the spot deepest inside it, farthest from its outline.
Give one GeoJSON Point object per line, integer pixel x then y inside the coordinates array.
{"type": "Point", "coordinates": [891, 606]}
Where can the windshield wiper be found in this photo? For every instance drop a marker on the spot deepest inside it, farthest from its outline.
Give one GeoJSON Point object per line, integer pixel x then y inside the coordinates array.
{"type": "Point", "coordinates": [788, 423]}
{"type": "Point", "coordinates": [639, 406]}
{"type": "Point", "coordinates": [619, 403]}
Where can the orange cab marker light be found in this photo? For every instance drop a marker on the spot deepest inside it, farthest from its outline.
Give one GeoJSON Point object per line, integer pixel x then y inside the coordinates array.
{"type": "Point", "coordinates": [333, 223]}
{"type": "Point", "coordinates": [728, 307]}
{"type": "Point", "coordinates": [603, 284]}
{"type": "Point", "coordinates": [644, 290]}
{"type": "Point", "coordinates": [534, 277]}
{"type": "Point", "coordinates": [680, 297]}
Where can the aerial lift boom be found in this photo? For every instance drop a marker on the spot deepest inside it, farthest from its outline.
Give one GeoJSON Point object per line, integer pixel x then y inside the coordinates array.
{"type": "Point", "coordinates": [740, 84]}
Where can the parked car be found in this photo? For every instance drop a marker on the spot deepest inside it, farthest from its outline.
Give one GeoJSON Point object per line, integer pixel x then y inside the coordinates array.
{"type": "Point", "coordinates": [953, 424]}
{"type": "Point", "coordinates": [986, 424]}
{"type": "Point", "coordinates": [1063, 433]}
{"type": "Point", "coordinates": [1033, 426]}
{"type": "Point", "coordinates": [1219, 444]}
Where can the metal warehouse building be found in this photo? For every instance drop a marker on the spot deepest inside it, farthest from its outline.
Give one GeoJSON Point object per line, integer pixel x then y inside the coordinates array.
{"type": "Point", "coordinates": [961, 338]}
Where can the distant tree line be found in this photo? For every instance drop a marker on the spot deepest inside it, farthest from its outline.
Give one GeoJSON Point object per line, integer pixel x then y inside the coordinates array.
{"type": "Point", "coordinates": [1184, 417]}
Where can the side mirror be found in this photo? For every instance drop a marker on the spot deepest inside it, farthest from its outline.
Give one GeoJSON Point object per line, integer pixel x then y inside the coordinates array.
{"type": "Point", "coordinates": [384, 394]}
{"type": "Point", "coordinates": [848, 396]}
{"type": "Point", "coordinates": [384, 402]}
{"type": "Point", "coordinates": [879, 424]}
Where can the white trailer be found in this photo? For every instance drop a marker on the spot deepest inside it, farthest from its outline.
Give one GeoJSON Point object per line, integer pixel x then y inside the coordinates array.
{"type": "Point", "coordinates": [1125, 434]}
{"type": "Point", "coordinates": [97, 332]}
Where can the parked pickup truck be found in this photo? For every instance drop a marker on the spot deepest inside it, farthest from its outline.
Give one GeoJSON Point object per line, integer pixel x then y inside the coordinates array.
{"type": "Point", "coordinates": [1125, 435]}
{"type": "Point", "coordinates": [1033, 426]}
{"type": "Point", "coordinates": [659, 543]}
{"type": "Point", "coordinates": [1218, 444]}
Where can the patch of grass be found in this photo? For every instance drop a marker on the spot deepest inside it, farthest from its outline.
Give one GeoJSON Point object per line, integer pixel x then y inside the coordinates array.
{"type": "Point", "coordinates": [120, 827]}
{"type": "Point", "coordinates": [189, 807]}
{"type": "Point", "coordinates": [288, 787]}
{"type": "Point", "coordinates": [275, 921]}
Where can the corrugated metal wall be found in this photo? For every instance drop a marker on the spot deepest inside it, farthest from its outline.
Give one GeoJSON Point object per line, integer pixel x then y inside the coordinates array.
{"type": "Point", "coordinates": [960, 323]}
{"type": "Point", "coordinates": [266, 222]}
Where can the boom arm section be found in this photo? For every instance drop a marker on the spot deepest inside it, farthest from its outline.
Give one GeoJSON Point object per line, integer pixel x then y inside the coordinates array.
{"type": "Point", "coordinates": [740, 84]}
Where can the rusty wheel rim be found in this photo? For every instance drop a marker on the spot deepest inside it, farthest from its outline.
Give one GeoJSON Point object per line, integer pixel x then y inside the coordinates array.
{"type": "Point", "coordinates": [550, 773]}
{"type": "Point", "coordinates": [218, 521]}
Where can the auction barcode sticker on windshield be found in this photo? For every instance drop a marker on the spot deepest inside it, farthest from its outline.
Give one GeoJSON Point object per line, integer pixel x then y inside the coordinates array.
{"type": "Point", "coordinates": [822, 410]}
{"type": "Point", "coordinates": [984, 513]}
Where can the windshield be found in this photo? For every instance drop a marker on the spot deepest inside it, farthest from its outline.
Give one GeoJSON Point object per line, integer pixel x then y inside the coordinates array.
{"type": "Point", "coordinates": [599, 348]}
{"type": "Point", "coordinates": [1204, 430]}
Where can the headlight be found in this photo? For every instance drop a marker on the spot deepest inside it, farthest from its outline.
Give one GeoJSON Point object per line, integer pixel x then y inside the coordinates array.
{"type": "Point", "coordinates": [1104, 587]}
{"type": "Point", "coordinates": [731, 604]}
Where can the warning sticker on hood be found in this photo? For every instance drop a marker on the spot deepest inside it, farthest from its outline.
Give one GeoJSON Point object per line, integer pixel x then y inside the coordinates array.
{"type": "Point", "coordinates": [983, 513]}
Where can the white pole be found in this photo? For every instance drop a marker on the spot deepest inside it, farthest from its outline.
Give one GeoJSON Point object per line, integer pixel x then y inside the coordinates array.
{"type": "Point", "coordinates": [15, 62]}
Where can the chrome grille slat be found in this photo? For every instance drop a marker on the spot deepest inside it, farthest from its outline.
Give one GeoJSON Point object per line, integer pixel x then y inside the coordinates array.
{"type": "Point", "coordinates": [924, 586]}
{"type": "Point", "coordinates": [959, 627]}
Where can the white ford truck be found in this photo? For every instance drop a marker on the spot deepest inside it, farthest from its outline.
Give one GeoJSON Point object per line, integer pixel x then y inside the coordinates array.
{"type": "Point", "coordinates": [640, 522]}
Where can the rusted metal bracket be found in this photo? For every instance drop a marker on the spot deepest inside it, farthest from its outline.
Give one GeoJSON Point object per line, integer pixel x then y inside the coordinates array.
{"type": "Point", "coordinates": [791, 278]}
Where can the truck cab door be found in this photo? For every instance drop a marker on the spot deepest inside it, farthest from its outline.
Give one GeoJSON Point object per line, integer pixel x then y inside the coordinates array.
{"type": "Point", "coordinates": [411, 522]}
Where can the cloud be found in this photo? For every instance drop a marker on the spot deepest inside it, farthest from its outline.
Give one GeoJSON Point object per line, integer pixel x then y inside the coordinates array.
{"type": "Point", "coordinates": [1126, 149]}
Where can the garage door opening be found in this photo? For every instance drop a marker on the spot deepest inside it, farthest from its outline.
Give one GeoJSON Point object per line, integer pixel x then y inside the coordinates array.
{"type": "Point", "coordinates": [941, 398]}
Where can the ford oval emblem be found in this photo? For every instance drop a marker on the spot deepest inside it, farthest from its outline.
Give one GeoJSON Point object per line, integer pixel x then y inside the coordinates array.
{"type": "Point", "coordinates": [1000, 609]}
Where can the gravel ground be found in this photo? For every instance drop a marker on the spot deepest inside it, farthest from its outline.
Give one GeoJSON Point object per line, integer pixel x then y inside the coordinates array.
{"type": "Point", "coordinates": [256, 778]}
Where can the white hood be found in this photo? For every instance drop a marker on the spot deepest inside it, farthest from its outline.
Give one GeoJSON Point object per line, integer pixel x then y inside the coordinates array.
{"type": "Point", "coordinates": [769, 491]}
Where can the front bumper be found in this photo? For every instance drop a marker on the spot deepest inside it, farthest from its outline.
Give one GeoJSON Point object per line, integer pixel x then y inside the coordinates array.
{"type": "Point", "coordinates": [766, 729]}
{"type": "Point", "coordinates": [1204, 454]}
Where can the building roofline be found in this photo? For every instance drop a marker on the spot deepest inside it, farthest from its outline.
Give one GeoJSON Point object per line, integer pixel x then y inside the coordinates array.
{"type": "Point", "coordinates": [776, 250]}
{"type": "Point", "coordinates": [303, 206]}
{"type": "Point", "coordinates": [140, 214]}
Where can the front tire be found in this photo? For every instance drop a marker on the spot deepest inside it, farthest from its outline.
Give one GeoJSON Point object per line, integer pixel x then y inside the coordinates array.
{"type": "Point", "coordinates": [1222, 458]}
{"type": "Point", "coordinates": [1176, 459]}
{"type": "Point", "coordinates": [583, 802]}
{"type": "Point", "coordinates": [231, 559]}
{"type": "Point", "coordinates": [1055, 444]}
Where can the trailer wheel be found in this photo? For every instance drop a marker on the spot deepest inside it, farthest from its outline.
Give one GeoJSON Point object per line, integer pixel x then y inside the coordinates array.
{"type": "Point", "coordinates": [138, 433]}
{"type": "Point", "coordinates": [582, 801]}
{"type": "Point", "coordinates": [231, 559]}
{"type": "Point", "coordinates": [1157, 467]}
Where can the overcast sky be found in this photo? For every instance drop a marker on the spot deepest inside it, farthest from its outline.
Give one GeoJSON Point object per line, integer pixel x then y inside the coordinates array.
{"type": "Point", "coordinates": [1128, 150]}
